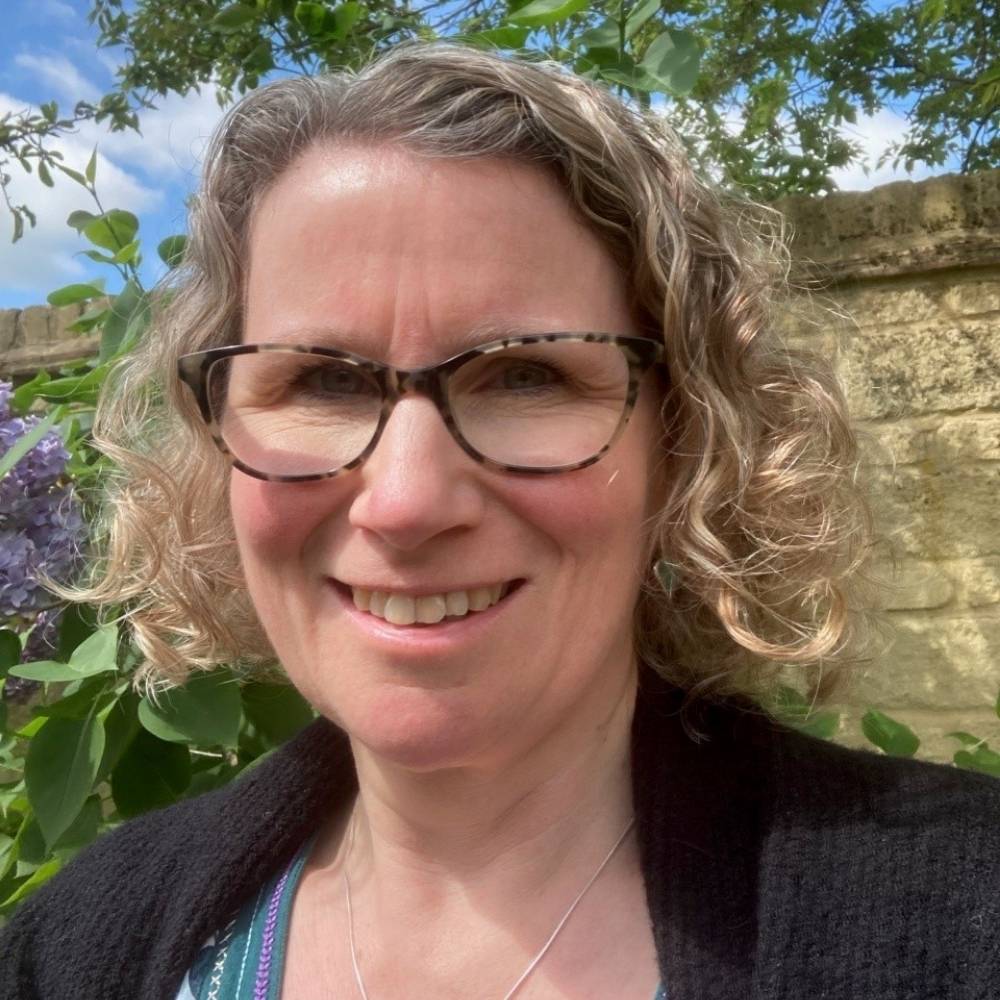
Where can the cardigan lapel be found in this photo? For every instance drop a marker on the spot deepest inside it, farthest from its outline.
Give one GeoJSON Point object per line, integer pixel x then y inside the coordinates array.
{"type": "Point", "coordinates": [701, 815]}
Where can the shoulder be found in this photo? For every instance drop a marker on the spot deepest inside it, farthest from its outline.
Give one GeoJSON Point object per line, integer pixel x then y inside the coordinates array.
{"type": "Point", "coordinates": [141, 899]}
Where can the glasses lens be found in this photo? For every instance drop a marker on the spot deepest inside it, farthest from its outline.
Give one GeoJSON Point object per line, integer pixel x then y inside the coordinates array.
{"type": "Point", "coordinates": [294, 414]}
{"type": "Point", "coordinates": [541, 405]}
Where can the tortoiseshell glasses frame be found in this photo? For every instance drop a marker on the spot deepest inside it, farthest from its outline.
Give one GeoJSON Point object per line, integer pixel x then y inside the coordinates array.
{"type": "Point", "coordinates": [641, 354]}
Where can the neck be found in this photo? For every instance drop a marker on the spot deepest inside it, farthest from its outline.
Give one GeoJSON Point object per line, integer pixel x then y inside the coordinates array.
{"type": "Point", "coordinates": [541, 814]}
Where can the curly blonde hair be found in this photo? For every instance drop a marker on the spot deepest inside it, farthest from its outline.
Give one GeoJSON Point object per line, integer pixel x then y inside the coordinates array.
{"type": "Point", "coordinates": [764, 525]}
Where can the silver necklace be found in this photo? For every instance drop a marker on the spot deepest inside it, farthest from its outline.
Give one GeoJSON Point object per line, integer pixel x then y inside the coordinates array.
{"type": "Point", "coordinates": [531, 965]}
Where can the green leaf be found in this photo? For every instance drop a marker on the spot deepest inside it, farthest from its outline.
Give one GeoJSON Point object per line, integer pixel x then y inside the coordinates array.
{"type": "Point", "coordinates": [90, 171]}
{"type": "Point", "coordinates": [76, 623]}
{"type": "Point", "coordinates": [673, 58]}
{"type": "Point", "coordinates": [121, 723]}
{"type": "Point", "coordinates": [639, 16]}
{"type": "Point", "coordinates": [80, 699]}
{"type": "Point", "coordinates": [72, 174]}
{"type": "Point", "coordinates": [90, 319]}
{"type": "Point", "coordinates": [128, 253]}
{"type": "Point", "coordinates": [795, 710]}
{"type": "Point", "coordinates": [542, 13]}
{"type": "Point", "coordinates": [206, 711]}
{"type": "Point", "coordinates": [81, 832]}
{"type": "Point", "coordinates": [95, 655]}
{"type": "Point", "coordinates": [43, 174]}
{"type": "Point", "coordinates": [113, 230]}
{"type": "Point", "coordinates": [28, 393]}
{"type": "Point", "coordinates": [312, 17]}
{"type": "Point", "coordinates": [130, 303]}
{"type": "Point", "coordinates": [25, 443]}
{"type": "Point", "coordinates": [37, 880]}
{"type": "Point", "coordinates": [604, 36]}
{"type": "Point", "coordinates": [888, 735]}
{"type": "Point", "coordinates": [69, 294]}
{"type": "Point", "coordinates": [59, 771]}
{"type": "Point", "coordinates": [100, 258]}
{"type": "Point", "coordinates": [345, 16]}
{"type": "Point", "coordinates": [234, 17]}
{"type": "Point", "coordinates": [277, 711]}
{"type": "Point", "coordinates": [10, 650]}
{"type": "Point", "coordinates": [79, 220]}
{"type": "Point", "coordinates": [171, 250]}
{"type": "Point", "coordinates": [152, 773]}
{"type": "Point", "coordinates": [967, 739]}
{"type": "Point", "coordinates": [983, 759]}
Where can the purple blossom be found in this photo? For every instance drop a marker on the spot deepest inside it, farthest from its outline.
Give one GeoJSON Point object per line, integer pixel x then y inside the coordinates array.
{"type": "Point", "coordinates": [40, 524]}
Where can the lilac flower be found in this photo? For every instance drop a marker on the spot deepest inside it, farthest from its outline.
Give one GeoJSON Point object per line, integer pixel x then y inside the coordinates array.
{"type": "Point", "coordinates": [40, 524]}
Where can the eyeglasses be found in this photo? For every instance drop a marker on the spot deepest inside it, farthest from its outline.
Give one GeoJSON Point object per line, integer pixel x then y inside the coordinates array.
{"type": "Point", "coordinates": [542, 403]}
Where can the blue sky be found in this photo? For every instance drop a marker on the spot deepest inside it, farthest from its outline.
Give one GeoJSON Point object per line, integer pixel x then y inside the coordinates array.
{"type": "Point", "coordinates": [50, 53]}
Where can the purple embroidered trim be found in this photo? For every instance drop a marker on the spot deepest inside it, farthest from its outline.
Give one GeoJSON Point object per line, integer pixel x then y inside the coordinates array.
{"type": "Point", "coordinates": [267, 945]}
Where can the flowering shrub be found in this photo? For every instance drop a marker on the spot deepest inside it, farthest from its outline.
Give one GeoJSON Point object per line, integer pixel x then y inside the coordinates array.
{"type": "Point", "coordinates": [41, 531]}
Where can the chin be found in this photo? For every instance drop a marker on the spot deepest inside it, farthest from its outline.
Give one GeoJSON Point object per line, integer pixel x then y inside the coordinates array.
{"type": "Point", "coordinates": [416, 729]}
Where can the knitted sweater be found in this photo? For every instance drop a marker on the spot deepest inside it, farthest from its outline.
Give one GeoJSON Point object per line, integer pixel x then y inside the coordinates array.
{"type": "Point", "coordinates": [777, 867]}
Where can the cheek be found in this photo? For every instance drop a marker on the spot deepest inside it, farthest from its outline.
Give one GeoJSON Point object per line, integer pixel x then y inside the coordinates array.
{"type": "Point", "coordinates": [272, 519]}
{"type": "Point", "coordinates": [593, 517]}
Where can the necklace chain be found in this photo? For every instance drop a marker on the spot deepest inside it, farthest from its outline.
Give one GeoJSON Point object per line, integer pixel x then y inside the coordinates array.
{"type": "Point", "coordinates": [531, 965]}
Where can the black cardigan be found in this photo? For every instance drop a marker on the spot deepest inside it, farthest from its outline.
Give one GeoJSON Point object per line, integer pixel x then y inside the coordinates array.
{"type": "Point", "coordinates": [776, 866]}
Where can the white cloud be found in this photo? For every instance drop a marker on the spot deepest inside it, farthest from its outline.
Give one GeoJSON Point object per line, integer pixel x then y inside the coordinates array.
{"type": "Point", "coordinates": [874, 133]}
{"type": "Point", "coordinates": [58, 73]}
{"type": "Point", "coordinates": [58, 9]}
{"type": "Point", "coordinates": [46, 256]}
{"type": "Point", "coordinates": [171, 140]}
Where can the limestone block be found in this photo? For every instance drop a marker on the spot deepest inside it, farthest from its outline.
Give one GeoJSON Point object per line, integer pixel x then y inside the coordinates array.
{"type": "Point", "coordinates": [898, 228]}
{"type": "Point", "coordinates": [8, 328]}
{"type": "Point", "coordinates": [913, 584]}
{"type": "Point", "coordinates": [34, 324]}
{"type": "Point", "coordinates": [934, 662]}
{"type": "Point", "coordinates": [949, 440]}
{"type": "Point", "coordinates": [881, 304]}
{"type": "Point", "coordinates": [973, 298]}
{"type": "Point", "coordinates": [933, 516]}
{"type": "Point", "coordinates": [25, 362]}
{"type": "Point", "coordinates": [922, 369]}
{"type": "Point", "coordinates": [977, 581]}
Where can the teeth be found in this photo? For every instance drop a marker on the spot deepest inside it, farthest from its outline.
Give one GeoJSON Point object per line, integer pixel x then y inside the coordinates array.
{"type": "Point", "coordinates": [457, 603]}
{"type": "Point", "coordinates": [479, 599]}
{"type": "Point", "coordinates": [429, 609]}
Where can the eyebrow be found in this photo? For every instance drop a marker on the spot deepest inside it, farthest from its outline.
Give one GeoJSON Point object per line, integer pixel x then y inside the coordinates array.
{"type": "Point", "coordinates": [484, 332]}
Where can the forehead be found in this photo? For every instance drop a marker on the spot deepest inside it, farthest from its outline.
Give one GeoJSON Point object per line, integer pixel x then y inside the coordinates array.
{"type": "Point", "coordinates": [410, 259]}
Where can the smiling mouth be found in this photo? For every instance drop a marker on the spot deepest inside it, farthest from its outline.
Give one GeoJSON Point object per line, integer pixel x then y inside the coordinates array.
{"type": "Point", "coordinates": [427, 609]}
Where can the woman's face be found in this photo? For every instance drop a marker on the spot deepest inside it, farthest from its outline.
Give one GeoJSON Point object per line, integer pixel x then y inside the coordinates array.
{"type": "Point", "coordinates": [409, 261]}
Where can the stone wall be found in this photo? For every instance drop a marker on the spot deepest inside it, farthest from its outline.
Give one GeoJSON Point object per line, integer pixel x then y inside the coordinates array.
{"type": "Point", "coordinates": [36, 338]}
{"type": "Point", "coordinates": [915, 269]}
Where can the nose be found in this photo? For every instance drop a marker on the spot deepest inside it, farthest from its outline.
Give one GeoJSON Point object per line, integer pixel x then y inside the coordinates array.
{"type": "Point", "coordinates": [418, 484]}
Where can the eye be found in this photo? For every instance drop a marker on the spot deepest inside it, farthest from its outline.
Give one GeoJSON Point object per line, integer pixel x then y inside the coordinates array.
{"type": "Point", "coordinates": [335, 379]}
{"type": "Point", "coordinates": [521, 375]}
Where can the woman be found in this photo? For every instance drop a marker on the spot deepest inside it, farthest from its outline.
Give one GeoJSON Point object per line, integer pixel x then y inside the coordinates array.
{"type": "Point", "coordinates": [516, 477]}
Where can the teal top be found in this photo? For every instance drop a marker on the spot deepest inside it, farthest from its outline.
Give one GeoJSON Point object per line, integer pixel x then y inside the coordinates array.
{"type": "Point", "coordinates": [245, 960]}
